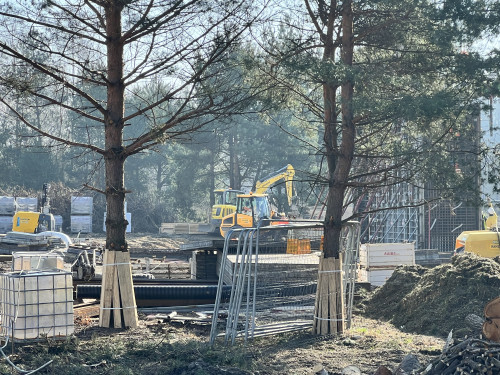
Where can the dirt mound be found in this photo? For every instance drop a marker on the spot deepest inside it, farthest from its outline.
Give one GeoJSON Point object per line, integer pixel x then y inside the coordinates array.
{"type": "Point", "coordinates": [437, 300]}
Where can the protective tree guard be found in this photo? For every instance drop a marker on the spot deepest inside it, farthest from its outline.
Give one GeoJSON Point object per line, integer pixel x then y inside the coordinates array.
{"type": "Point", "coordinates": [118, 306]}
{"type": "Point", "coordinates": [329, 314]}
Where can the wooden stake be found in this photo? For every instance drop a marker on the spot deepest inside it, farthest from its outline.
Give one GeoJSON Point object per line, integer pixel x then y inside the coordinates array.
{"type": "Point", "coordinates": [127, 294]}
{"type": "Point", "coordinates": [106, 289]}
{"type": "Point", "coordinates": [117, 306]}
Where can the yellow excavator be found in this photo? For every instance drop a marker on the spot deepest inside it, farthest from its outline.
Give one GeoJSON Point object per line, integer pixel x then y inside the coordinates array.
{"type": "Point", "coordinates": [485, 242]}
{"type": "Point", "coordinates": [225, 204]}
{"type": "Point", "coordinates": [254, 207]}
{"type": "Point", "coordinates": [35, 222]}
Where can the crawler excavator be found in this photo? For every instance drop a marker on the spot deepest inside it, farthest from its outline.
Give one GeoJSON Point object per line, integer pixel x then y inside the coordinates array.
{"type": "Point", "coordinates": [254, 207]}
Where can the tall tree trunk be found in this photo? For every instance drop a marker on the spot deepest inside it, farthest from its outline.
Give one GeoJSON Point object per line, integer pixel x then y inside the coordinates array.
{"type": "Point", "coordinates": [117, 291]}
{"type": "Point", "coordinates": [330, 310]}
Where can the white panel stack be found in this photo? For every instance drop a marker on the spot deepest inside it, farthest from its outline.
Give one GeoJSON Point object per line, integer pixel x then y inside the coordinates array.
{"type": "Point", "coordinates": [81, 223]}
{"type": "Point", "coordinates": [5, 224]}
{"type": "Point", "coordinates": [59, 223]}
{"type": "Point", "coordinates": [7, 210]}
{"type": "Point", "coordinates": [81, 214]}
{"type": "Point", "coordinates": [36, 305]}
{"type": "Point", "coordinates": [27, 204]}
{"type": "Point", "coordinates": [82, 205]}
{"type": "Point", "coordinates": [7, 206]}
{"type": "Point", "coordinates": [378, 261]}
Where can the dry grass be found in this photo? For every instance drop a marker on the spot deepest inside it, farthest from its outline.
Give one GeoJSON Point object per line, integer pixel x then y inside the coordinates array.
{"type": "Point", "coordinates": [158, 347]}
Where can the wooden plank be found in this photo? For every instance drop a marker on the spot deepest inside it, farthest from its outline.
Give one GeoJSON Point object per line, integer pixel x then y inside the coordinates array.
{"type": "Point", "coordinates": [325, 298]}
{"type": "Point", "coordinates": [340, 303]}
{"type": "Point", "coordinates": [106, 288]}
{"type": "Point", "coordinates": [117, 306]}
{"type": "Point", "coordinates": [86, 310]}
{"type": "Point", "coordinates": [127, 294]}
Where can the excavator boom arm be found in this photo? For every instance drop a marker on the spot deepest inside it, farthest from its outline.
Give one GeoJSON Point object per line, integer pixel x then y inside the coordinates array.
{"type": "Point", "coordinates": [286, 173]}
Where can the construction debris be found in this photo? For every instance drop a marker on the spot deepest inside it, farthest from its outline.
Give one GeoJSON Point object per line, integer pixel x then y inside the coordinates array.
{"type": "Point", "coordinates": [471, 356]}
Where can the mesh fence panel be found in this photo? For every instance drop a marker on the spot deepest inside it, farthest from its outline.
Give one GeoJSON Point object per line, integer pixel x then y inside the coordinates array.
{"type": "Point", "coordinates": [272, 273]}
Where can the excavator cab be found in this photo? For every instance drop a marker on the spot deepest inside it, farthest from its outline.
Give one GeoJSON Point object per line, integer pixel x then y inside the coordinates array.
{"type": "Point", "coordinates": [225, 204]}
{"type": "Point", "coordinates": [250, 210]}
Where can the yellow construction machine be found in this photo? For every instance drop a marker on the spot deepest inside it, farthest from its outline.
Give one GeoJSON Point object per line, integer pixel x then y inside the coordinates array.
{"type": "Point", "coordinates": [485, 242]}
{"type": "Point", "coordinates": [35, 222]}
{"type": "Point", "coordinates": [286, 173]}
{"type": "Point", "coordinates": [225, 204]}
{"type": "Point", "coordinates": [254, 207]}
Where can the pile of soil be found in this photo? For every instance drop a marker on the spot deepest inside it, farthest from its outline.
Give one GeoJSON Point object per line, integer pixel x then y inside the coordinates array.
{"type": "Point", "coordinates": [435, 301]}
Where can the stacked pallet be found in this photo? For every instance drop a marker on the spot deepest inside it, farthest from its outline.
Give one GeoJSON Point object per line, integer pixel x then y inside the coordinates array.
{"type": "Point", "coordinates": [378, 261]}
{"type": "Point", "coordinates": [274, 267]}
{"type": "Point", "coordinates": [184, 228]}
{"type": "Point", "coordinates": [176, 270]}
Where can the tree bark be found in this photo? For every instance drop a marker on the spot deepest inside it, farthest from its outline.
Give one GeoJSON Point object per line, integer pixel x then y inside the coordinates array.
{"type": "Point", "coordinates": [339, 157]}
{"type": "Point", "coordinates": [113, 128]}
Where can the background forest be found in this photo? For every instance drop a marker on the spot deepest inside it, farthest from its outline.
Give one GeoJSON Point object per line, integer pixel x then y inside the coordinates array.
{"type": "Point", "coordinates": [170, 183]}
